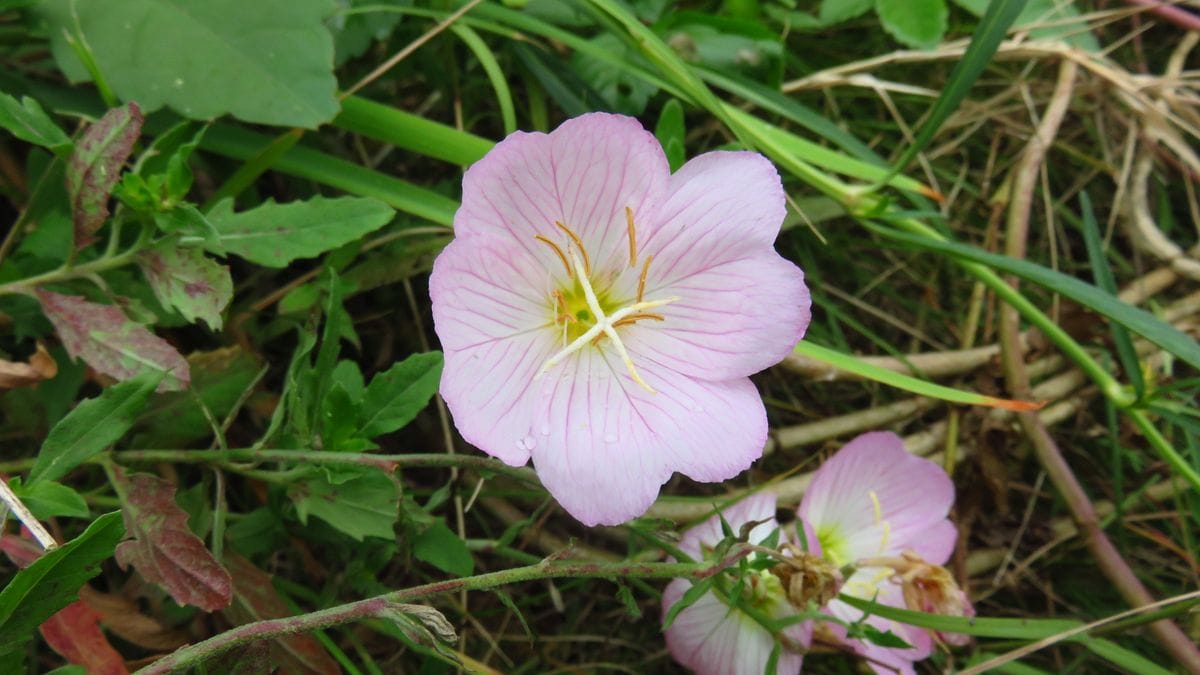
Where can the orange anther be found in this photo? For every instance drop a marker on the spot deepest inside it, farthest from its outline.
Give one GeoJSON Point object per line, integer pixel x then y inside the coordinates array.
{"type": "Point", "coordinates": [558, 251]}
{"type": "Point", "coordinates": [587, 264]}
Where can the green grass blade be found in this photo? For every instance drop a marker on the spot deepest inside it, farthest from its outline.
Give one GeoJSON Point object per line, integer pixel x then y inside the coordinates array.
{"type": "Point", "coordinates": [906, 382]}
{"type": "Point", "coordinates": [1139, 321]}
{"type": "Point", "coordinates": [410, 132]}
{"type": "Point", "coordinates": [1104, 279]}
{"type": "Point", "coordinates": [495, 75]}
{"type": "Point", "coordinates": [349, 177]}
{"type": "Point", "coordinates": [995, 22]}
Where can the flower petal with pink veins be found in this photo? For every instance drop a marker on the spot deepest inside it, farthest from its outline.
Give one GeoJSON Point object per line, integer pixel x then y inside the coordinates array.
{"type": "Point", "coordinates": [730, 320]}
{"type": "Point", "coordinates": [583, 174]}
{"type": "Point", "coordinates": [605, 445]}
{"type": "Point", "coordinates": [759, 506]}
{"type": "Point", "coordinates": [495, 342]}
{"type": "Point", "coordinates": [711, 638]}
{"type": "Point", "coordinates": [874, 498]}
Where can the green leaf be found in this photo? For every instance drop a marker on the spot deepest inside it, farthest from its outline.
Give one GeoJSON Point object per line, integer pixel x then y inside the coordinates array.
{"type": "Point", "coordinates": [916, 23]}
{"type": "Point", "coordinates": [267, 61]}
{"type": "Point", "coordinates": [1052, 20]}
{"type": "Point", "coordinates": [26, 120]}
{"type": "Point", "coordinates": [174, 420]}
{"type": "Point", "coordinates": [906, 382]}
{"type": "Point", "coordinates": [395, 397]}
{"type": "Point", "coordinates": [670, 133]}
{"type": "Point", "coordinates": [364, 502]}
{"type": "Point", "coordinates": [1104, 279]}
{"type": "Point", "coordinates": [184, 278]}
{"type": "Point", "coordinates": [984, 43]}
{"type": "Point", "coordinates": [47, 499]}
{"type": "Point", "coordinates": [111, 342]}
{"type": "Point", "coordinates": [53, 581]}
{"type": "Point", "coordinates": [95, 167]}
{"type": "Point", "coordinates": [690, 596]}
{"type": "Point", "coordinates": [91, 427]}
{"type": "Point", "coordinates": [441, 547]}
{"type": "Point", "coordinates": [1137, 320]}
{"type": "Point", "coordinates": [276, 234]}
{"type": "Point", "coordinates": [836, 11]}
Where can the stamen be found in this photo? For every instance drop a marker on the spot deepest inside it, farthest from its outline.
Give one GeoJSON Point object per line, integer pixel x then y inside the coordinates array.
{"type": "Point", "coordinates": [610, 332]}
{"type": "Point", "coordinates": [632, 237]}
{"type": "Point", "coordinates": [642, 278]}
{"type": "Point", "coordinates": [587, 264]}
{"type": "Point", "coordinates": [557, 251]}
{"type": "Point", "coordinates": [560, 304]}
{"type": "Point", "coordinates": [883, 524]}
{"type": "Point", "coordinates": [633, 318]}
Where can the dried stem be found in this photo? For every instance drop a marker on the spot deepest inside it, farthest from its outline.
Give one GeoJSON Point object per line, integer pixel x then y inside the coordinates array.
{"type": "Point", "coordinates": [192, 655]}
{"type": "Point", "coordinates": [1108, 559]}
{"type": "Point", "coordinates": [14, 504]}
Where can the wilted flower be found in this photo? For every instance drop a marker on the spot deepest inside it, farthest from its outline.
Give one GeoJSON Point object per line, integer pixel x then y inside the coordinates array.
{"type": "Point", "coordinates": [600, 315]}
{"type": "Point", "coordinates": [872, 508]}
{"type": "Point", "coordinates": [872, 501]}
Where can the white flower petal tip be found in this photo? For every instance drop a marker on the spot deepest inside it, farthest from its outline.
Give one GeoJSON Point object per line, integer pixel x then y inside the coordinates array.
{"type": "Point", "coordinates": [601, 316]}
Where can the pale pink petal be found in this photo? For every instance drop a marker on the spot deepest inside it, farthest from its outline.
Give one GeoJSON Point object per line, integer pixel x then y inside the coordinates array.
{"type": "Point", "coordinates": [605, 446]}
{"type": "Point", "coordinates": [759, 506]}
{"type": "Point", "coordinates": [583, 174]}
{"type": "Point", "coordinates": [913, 496]}
{"type": "Point", "coordinates": [712, 639]}
{"type": "Point", "coordinates": [873, 584]}
{"type": "Point", "coordinates": [495, 340]}
{"type": "Point", "coordinates": [730, 320]}
{"type": "Point", "coordinates": [741, 306]}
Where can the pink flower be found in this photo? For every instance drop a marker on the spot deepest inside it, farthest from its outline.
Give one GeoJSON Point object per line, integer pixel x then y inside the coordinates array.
{"type": "Point", "coordinates": [873, 500]}
{"type": "Point", "coordinates": [872, 508]}
{"type": "Point", "coordinates": [713, 638]}
{"type": "Point", "coordinates": [601, 316]}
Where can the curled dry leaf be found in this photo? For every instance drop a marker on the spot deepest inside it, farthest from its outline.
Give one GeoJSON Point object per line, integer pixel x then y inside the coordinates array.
{"type": "Point", "coordinates": [123, 618]}
{"type": "Point", "coordinates": [41, 366]}
{"type": "Point", "coordinates": [95, 167]}
{"type": "Point", "coordinates": [164, 551]}
{"type": "Point", "coordinates": [111, 342]}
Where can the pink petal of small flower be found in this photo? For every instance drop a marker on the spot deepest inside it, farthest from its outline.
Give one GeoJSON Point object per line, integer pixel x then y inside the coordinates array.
{"type": "Point", "coordinates": [713, 248]}
{"type": "Point", "coordinates": [605, 445]}
{"type": "Point", "coordinates": [582, 174]}
{"type": "Point", "coordinates": [712, 639]}
{"type": "Point", "coordinates": [866, 583]}
{"type": "Point", "coordinates": [914, 497]}
{"type": "Point", "coordinates": [758, 506]}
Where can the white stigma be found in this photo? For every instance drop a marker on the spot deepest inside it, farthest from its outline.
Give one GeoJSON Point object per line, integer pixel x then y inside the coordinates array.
{"type": "Point", "coordinates": [605, 324]}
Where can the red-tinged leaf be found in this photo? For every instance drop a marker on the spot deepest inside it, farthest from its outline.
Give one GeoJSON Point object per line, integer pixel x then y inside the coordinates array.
{"type": "Point", "coordinates": [164, 551]}
{"type": "Point", "coordinates": [95, 167]}
{"type": "Point", "coordinates": [111, 342]}
{"type": "Point", "coordinates": [255, 599]}
{"type": "Point", "coordinates": [74, 632]}
{"type": "Point", "coordinates": [189, 281]}
{"type": "Point", "coordinates": [20, 550]}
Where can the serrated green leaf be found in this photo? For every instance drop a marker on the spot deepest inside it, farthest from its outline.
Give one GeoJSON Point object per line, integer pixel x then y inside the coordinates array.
{"type": "Point", "coordinates": [91, 427]}
{"type": "Point", "coordinates": [26, 120]}
{"type": "Point", "coordinates": [395, 397]}
{"type": "Point", "coordinates": [441, 547]}
{"type": "Point", "coordinates": [267, 61]}
{"type": "Point", "coordinates": [276, 234]}
{"type": "Point", "coordinates": [184, 278]}
{"type": "Point", "coordinates": [53, 581]}
{"type": "Point", "coordinates": [367, 504]}
{"type": "Point", "coordinates": [916, 23]}
{"type": "Point", "coordinates": [47, 499]}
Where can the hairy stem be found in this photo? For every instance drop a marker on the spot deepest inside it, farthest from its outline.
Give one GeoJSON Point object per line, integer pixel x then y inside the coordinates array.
{"type": "Point", "coordinates": [191, 655]}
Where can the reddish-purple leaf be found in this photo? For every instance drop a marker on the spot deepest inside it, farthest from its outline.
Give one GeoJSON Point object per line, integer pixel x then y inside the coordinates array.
{"type": "Point", "coordinates": [189, 281]}
{"type": "Point", "coordinates": [110, 342]}
{"type": "Point", "coordinates": [164, 551]}
{"type": "Point", "coordinates": [255, 599]}
{"type": "Point", "coordinates": [95, 167]}
{"type": "Point", "coordinates": [74, 632]}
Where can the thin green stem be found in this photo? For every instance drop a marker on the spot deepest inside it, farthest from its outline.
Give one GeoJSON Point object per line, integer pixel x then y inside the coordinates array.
{"type": "Point", "coordinates": [384, 605]}
{"type": "Point", "coordinates": [384, 462]}
{"type": "Point", "coordinates": [68, 271]}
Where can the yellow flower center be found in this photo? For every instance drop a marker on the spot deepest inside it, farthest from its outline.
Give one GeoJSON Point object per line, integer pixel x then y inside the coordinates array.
{"type": "Point", "coordinates": [584, 312]}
